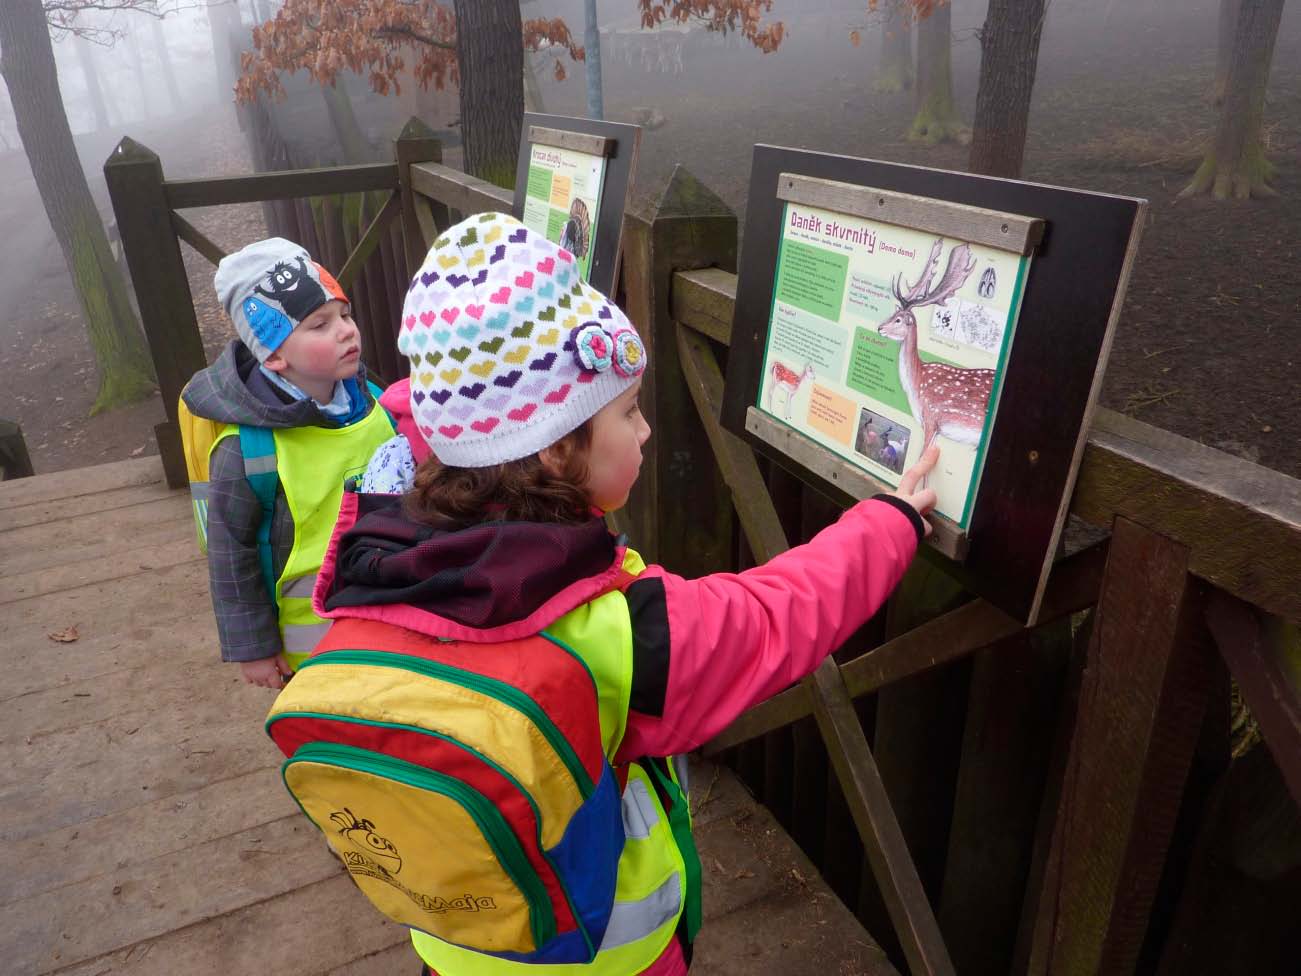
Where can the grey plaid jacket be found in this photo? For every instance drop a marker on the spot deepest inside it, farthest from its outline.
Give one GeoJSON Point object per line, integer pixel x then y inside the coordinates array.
{"type": "Point", "coordinates": [233, 390]}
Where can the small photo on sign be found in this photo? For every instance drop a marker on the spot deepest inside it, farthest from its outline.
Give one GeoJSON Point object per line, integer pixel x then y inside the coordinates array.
{"type": "Point", "coordinates": [882, 440]}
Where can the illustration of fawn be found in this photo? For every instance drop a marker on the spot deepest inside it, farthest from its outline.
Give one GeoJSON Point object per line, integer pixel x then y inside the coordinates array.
{"type": "Point", "coordinates": [948, 400]}
{"type": "Point", "coordinates": [787, 380]}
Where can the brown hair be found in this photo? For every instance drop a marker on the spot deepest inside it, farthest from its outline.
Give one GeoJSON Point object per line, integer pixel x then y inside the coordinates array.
{"type": "Point", "coordinates": [524, 490]}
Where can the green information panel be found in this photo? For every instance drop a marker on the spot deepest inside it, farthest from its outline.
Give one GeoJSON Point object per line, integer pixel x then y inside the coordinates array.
{"type": "Point", "coordinates": [883, 339]}
{"type": "Point", "coordinates": [563, 197]}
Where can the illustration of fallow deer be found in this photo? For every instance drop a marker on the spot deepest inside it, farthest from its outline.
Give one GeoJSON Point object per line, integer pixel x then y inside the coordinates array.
{"type": "Point", "coordinates": [787, 380]}
{"type": "Point", "coordinates": [947, 400]}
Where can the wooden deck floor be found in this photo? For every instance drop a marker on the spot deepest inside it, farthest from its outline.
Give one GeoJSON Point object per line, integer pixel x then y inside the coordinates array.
{"type": "Point", "coordinates": [144, 826]}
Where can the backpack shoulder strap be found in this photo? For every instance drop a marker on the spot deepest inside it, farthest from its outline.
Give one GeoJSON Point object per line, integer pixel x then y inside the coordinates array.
{"type": "Point", "coordinates": [258, 446]}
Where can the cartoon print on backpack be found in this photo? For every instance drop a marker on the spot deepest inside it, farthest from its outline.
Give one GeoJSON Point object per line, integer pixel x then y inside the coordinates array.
{"type": "Point", "coordinates": [297, 292]}
{"type": "Point", "coordinates": [361, 834]}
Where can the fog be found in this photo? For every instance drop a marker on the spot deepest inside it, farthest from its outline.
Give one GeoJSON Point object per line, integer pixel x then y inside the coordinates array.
{"type": "Point", "coordinates": [1207, 345]}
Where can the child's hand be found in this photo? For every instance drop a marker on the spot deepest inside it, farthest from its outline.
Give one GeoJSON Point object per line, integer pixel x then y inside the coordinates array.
{"type": "Point", "coordinates": [923, 501]}
{"type": "Point", "coordinates": [270, 672]}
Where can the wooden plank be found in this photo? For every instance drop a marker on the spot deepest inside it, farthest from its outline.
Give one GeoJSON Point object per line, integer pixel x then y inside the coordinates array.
{"type": "Point", "coordinates": [198, 240]}
{"type": "Point", "coordinates": [978, 225]}
{"type": "Point", "coordinates": [892, 865]}
{"type": "Point", "coordinates": [112, 500]}
{"type": "Point", "coordinates": [1264, 657]}
{"type": "Point", "coordinates": [946, 537]}
{"type": "Point", "coordinates": [966, 630]}
{"type": "Point", "coordinates": [95, 917]}
{"type": "Point", "coordinates": [703, 299]}
{"type": "Point", "coordinates": [91, 849]}
{"type": "Point", "coordinates": [55, 579]}
{"type": "Point", "coordinates": [91, 538]}
{"type": "Point", "coordinates": [369, 241]}
{"type": "Point", "coordinates": [459, 191]}
{"type": "Point", "coordinates": [1241, 522]}
{"type": "Point", "coordinates": [577, 141]}
{"type": "Point", "coordinates": [280, 185]}
{"type": "Point", "coordinates": [304, 932]}
{"type": "Point", "coordinates": [735, 460]}
{"type": "Point", "coordinates": [1147, 678]}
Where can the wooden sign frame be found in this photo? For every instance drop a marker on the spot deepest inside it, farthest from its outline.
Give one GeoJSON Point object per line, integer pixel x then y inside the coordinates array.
{"type": "Point", "coordinates": [1083, 247]}
{"type": "Point", "coordinates": [618, 143]}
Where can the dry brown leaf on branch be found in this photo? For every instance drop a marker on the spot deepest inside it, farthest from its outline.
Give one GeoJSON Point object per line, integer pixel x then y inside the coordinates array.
{"type": "Point", "coordinates": [65, 636]}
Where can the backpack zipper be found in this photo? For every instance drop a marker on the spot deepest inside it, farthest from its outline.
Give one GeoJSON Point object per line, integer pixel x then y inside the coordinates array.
{"type": "Point", "coordinates": [491, 687]}
{"type": "Point", "coordinates": [492, 825]}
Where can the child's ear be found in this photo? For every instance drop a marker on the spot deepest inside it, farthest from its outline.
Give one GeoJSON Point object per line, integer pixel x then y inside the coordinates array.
{"type": "Point", "coordinates": [275, 362]}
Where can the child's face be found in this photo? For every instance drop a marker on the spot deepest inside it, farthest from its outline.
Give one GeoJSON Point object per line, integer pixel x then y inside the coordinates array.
{"type": "Point", "coordinates": [324, 347]}
{"type": "Point", "coordinates": [614, 457]}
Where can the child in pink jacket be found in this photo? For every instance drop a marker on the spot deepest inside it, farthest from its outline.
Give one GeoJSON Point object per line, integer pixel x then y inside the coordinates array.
{"type": "Point", "coordinates": [524, 384]}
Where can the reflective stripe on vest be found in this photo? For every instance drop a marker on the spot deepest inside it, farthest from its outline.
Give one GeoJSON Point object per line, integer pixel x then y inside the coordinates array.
{"type": "Point", "coordinates": [648, 898]}
{"type": "Point", "coordinates": [312, 464]}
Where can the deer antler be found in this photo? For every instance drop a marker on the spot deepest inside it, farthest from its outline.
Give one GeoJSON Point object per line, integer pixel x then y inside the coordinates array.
{"type": "Point", "coordinates": [961, 264]}
{"type": "Point", "coordinates": [913, 297]}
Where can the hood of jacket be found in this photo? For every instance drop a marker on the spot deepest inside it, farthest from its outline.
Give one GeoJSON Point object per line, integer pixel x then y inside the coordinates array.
{"type": "Point", "coordinates": [486, 582]}
{"type": "Point", "coordinates": [234, 391]}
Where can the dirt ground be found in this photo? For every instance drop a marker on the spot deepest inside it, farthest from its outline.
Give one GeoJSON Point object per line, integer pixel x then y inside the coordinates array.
{"type": "Point", "coordinates": [1207, 344]}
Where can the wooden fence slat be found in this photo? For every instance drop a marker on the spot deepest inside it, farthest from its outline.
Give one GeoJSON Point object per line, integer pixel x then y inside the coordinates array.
{"type": "Point", "coordinates": [417, 144]}
{"type": "Point", "coordinates": [680, 508]}
{"type": "Point", "coordinates": [459, 191]}
{"type": "Point", "coordinates": [1241, 522]}
{"type": "Point", "coordinates": [369, 241]}
{"type": "Point", "coordinates": [754, 507]}
{"type": "Point", "coordinates": [892, 865]}
{"type": "Point", "coordinates": [198, 240]}
{"type": "Point", "coordinates": [1263, 657]}
{"type": "Point", "coordinates": [1073, 586]}
{"type": "Point", "coordinates": [703, 300]}
{"type": "Point", "coordinates": [1147, 679]}
{"type": "Point", "coordinates": [134, 175]}
{"type": "Point", "coordinates": [284, 184]}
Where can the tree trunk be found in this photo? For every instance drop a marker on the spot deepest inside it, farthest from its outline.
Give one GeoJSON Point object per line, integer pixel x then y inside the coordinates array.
{"type": "Point", "coordinates": [93, 90]}
{"type": "Point", "coordinates": [490, 57]}
{"type": "Point", "coordinates": [27, 64]}
{"type": "Point", "coordinates": [1009, 55]}
{"type": "Point", "coordinates": [223, 20]}
{"type": "Point", "coordinates": [937, 118]}
{"type": "Point", "coordinates": [138, 69]}
{"type": "Point", "coordinates": [165, 62]}
{"type": "Point", "coordinates": [894, 72]}
{"type": "Point", "coordinates": [533, 101]}
{"type": "Point", "coordinates": [1235, 164]}
{"type": "Point", "coordinates": [592, 47]}
{"type": "Point", "coordinates": [353, 145]}
{"type": "Point", "coordinates": [1224, 47]}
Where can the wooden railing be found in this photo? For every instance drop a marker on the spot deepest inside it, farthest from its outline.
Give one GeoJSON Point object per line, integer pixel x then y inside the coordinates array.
{"type": "Point", "coordinates": [1203, 555]}
{"type": "Point", "coordinates": [1074, 741]}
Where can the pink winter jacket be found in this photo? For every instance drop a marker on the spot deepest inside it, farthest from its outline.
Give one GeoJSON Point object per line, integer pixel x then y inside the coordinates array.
{"type": "Point", "coordinates": [733, 639]}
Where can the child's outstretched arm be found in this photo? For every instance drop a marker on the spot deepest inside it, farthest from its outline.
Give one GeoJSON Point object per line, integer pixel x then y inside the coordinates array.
{"type": "Point", "coordinates": [705, 650]}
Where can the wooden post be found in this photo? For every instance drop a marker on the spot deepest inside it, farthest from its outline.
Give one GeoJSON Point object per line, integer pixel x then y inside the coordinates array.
{"type": "Point", "coordinates": [680, 513]}
{"type": "Point", "coordinates": [135, 185]}
{"type": "Point", "coordinates": [1148, 673]}
{"type": "Point", "coordinates": [15, 462]}
{"type": "Point", "coordinates": [416, 144]}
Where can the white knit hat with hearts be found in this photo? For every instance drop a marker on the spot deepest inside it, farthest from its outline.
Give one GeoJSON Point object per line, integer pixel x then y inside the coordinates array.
{"type": "Point", "coordinates": [509, 349]}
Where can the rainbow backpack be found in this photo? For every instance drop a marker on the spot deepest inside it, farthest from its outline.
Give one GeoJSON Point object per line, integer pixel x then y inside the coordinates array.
{"type": "Point", "coordinates": [464, 786]}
